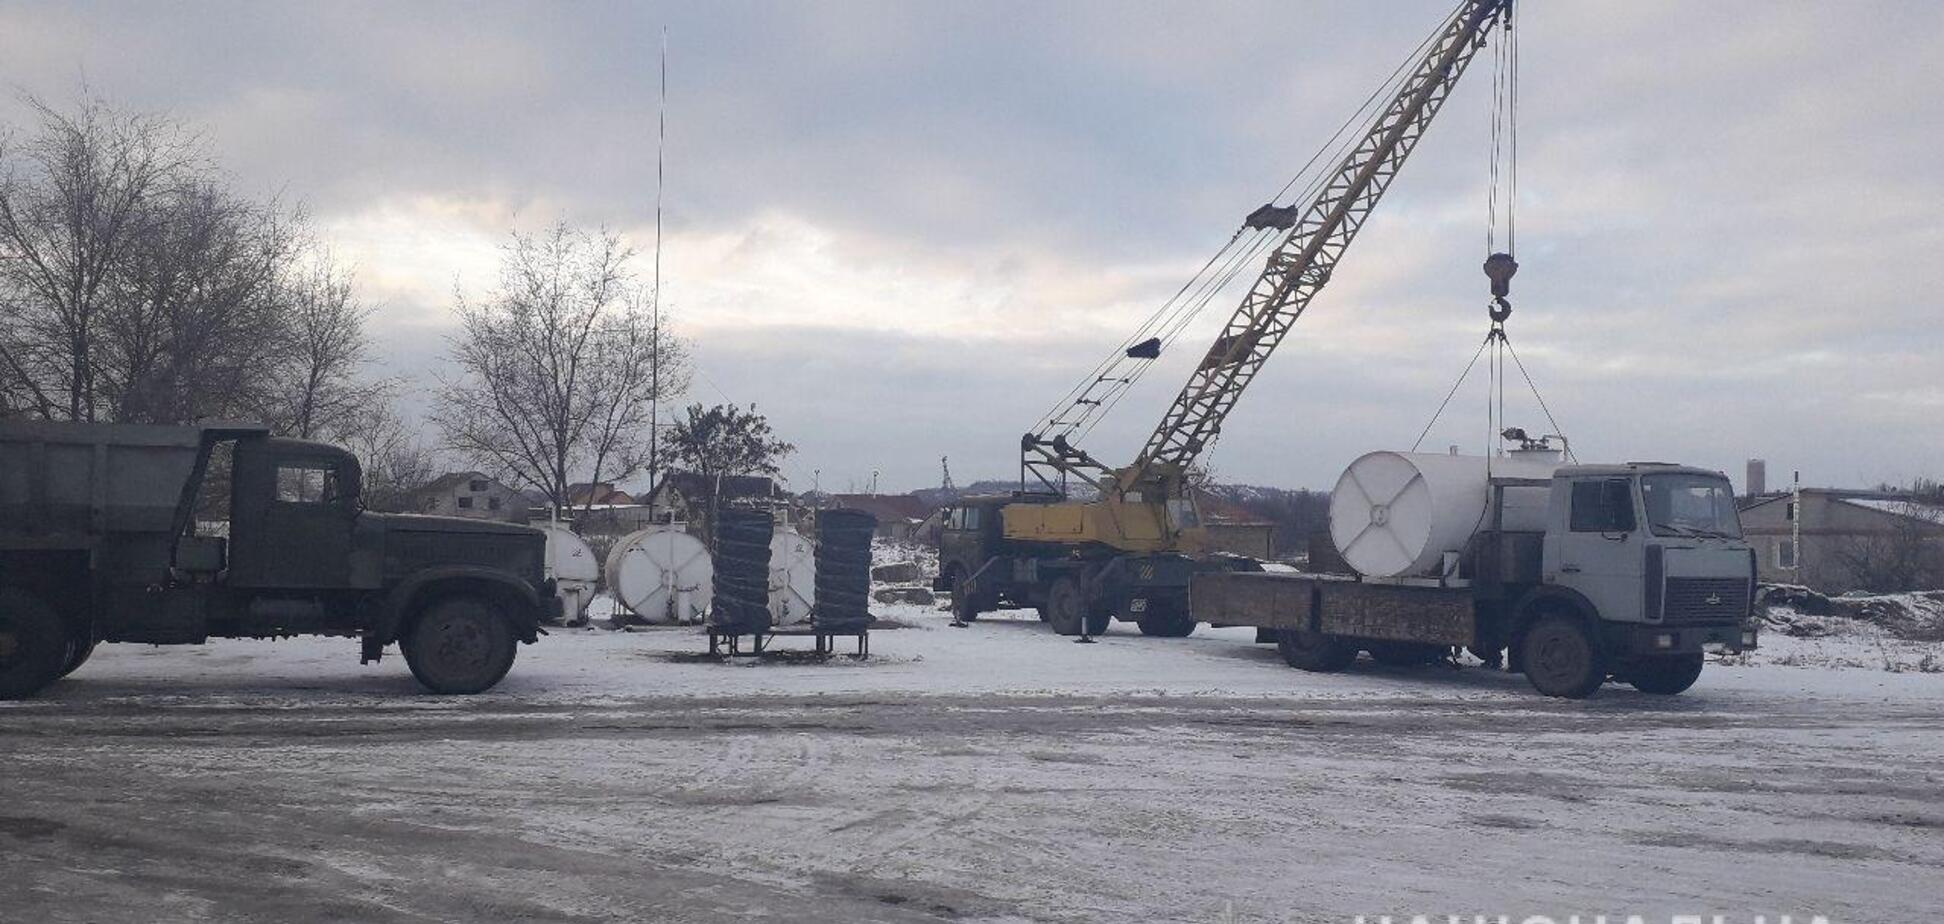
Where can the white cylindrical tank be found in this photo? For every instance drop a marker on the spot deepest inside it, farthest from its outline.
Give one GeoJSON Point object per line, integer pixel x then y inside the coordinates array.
{"type": "Point", "coordinates": [1396, 514]}
{"type": "Point", "coordinates": [662, 574]}
{"type": "Point", "coordinates": [571, 565]}
{"type": "Point", "coordinates": [793, 577]}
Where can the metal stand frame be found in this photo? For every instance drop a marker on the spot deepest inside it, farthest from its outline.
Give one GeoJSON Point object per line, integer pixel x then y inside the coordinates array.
{"type": "Point", "coordinates": [824, 641]}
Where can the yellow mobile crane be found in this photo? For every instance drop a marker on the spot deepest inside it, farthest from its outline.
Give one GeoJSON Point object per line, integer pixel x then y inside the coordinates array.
{"type": "Point", "coordinates": [1129, 548]}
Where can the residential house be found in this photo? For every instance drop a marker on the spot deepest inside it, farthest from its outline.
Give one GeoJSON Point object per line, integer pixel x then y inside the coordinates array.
{"type": "Point", "coordinates": [470, 494]}
{"type": "Point", "coordinates": [1837, 540]}
{"type": "Point", "coordinates": [597, 494]}
{"type": "Point", "coordinates": [688, 497]}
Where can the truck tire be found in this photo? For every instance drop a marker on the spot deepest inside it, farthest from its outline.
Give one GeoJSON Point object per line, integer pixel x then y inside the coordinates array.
{"type": "Point", "coordinates": [33, 644]}
{"type": "Point", "coordinates": [1070, 611]}
{"type": "Point", "coordinates": [964, 607]}
{"type": "Point", "coordinates": [78, 651]}
{"type": "Point", "coordinates": [1405, 654]}
{"type": "Point", "coordinates": [1169, 623]}
{"type": "Point", "coordinates": [1098, 621]}
{"type": "Point", "coordinates": [1561, 658]}
{"type": "Point", "coordinates": [1665, 676]}
{"type": "Point", "coordinates": [1314, 651]}
{"type": "Point", "coordinates": [460, 645]}
{"type": "Point", "coordinates": [1066, 606]}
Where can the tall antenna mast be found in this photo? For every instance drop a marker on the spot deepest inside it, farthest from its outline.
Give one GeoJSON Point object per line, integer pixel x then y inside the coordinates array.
{"type": "Point", "coordinates": [654, 296]}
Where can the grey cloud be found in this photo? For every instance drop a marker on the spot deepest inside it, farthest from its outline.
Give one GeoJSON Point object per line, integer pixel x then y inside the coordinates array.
{"type": "Point", "coordinates": [1728, 223]}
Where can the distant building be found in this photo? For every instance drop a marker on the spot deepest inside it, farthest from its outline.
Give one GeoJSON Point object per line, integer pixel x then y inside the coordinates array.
{"type": "Point", "coordinates": [899, 516]}
{"type": "Point", "coordinates": [597, 494]}
{"type": "Point", "coordinates": [690, 496]}
{"type": "Point", "coordinates": [470, 494]}
{"type": "Point", "coordinates": [1233, 529]}
{"type": "Point", "coordinates": [1837, 541]}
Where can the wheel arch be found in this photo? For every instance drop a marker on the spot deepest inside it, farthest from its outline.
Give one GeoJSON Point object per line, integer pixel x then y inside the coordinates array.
{"type": "Point", "coordinates": [517, 600]}
{"type": "Point", "coordinates": [1540, 601]}
{"type": "Point", "coordinates": [59, 578]}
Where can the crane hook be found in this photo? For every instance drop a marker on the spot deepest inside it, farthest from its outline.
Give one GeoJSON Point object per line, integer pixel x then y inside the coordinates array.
{"type": "Point", "coordinates": [1499, 268]}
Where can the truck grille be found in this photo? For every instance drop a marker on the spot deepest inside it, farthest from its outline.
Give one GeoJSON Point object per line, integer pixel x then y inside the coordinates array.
{"type": "Point", "coordinates": [1705, 600]}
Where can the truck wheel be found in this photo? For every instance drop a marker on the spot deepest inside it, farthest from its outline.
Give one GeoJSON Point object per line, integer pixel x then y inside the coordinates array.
{"type": "Point", "coordinates": [78, 651]}
{"type": "Point", "coordinates": [1561, 658]}
{"type": "Point", "coordinates": [1665, 676]}
{"type": "Point", "coordinates": [964, 607]}
{"type": "Point", "coordinates": [1097, 623]}
{"type": "Point", "coordinates": [1405, 654]}
{"type": "Point", "coordinates": [460, 645]}
{"type": "Point", "coordinates": [33, 644]}
{"type": "Point", "coordinates": [1065, 606]}
{"type": "Point", "coordinates": [1314, 651]}
{"type": "Point", "coordinates": [1167, 625]}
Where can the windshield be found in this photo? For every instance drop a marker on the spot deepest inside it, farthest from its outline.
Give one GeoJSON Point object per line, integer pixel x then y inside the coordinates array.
{"type": "Point", "coordinates": [1690, 505]}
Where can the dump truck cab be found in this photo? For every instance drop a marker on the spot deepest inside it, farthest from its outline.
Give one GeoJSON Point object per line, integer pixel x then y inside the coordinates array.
{"type": "Point", "coordinates": [295, 518]}
{"type": "Point", "coordinates": [118, 533]}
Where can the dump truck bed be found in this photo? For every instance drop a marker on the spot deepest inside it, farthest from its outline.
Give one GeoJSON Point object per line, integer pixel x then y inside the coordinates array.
{"type": "Point", "coordinates": [1335, 605]}
{"type": "Point", "coordinates": [62, 484]}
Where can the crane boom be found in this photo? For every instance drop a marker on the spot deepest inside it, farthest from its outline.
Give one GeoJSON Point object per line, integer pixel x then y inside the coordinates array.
{"type": "Point", "coordinates": [1301, 265]}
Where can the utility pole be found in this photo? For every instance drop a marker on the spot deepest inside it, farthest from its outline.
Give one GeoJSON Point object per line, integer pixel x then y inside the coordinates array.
{"type": "Point", "coordinates": [654, 333]}
{"type": "Point", "coordinates": [1795, 524]}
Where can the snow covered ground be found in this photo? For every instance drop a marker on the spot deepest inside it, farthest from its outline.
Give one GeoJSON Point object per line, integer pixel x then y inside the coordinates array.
{"type": "Point", "coordinates": [993, 773]}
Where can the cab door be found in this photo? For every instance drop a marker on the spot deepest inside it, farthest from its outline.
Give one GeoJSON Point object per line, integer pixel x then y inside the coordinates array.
{"type": "Point", "coordinates": [293, 510]}
{"type": "Point", "coordinates": [1601, 552]}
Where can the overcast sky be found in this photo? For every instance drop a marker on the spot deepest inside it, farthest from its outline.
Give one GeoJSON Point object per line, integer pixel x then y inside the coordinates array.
{"type": "Point", "coordinates": [902, 230]}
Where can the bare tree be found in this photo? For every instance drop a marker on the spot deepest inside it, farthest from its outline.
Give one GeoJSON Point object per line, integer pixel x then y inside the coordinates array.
{"type": "Point", "coordinates": [558, 365]}
{"type": "Point", "coordinates": [197, 324]}
{"type": "Point", "coordinates": [324, 389]}
{"type": "Point", "coordinates": [138, 287]}
{"type": "Point", "coordinates": [395, 460]}
{"type": "Point", "coordinates": [74, 201]}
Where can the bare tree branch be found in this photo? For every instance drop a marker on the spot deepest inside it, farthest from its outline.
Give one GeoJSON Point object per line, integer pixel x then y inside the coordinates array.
{"type": "Point", "coordinates": [558, 365]}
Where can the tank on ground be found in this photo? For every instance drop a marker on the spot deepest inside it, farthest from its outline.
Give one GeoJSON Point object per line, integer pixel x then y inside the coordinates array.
{"type": "Point", "coordinates": [575, 572]}
{"type": "Point", "coordinates": [662, 574]}
{"type": "Point", "coordinates": [793, 577]}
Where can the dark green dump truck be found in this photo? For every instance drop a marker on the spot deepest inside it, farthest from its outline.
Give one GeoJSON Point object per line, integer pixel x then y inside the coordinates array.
{"type": "Point", "coordinates": [100, 542]}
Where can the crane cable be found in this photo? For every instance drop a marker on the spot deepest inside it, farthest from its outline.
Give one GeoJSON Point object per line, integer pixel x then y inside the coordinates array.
{"type": "Point", "coordinates": [1175, 315]}
{"type": "Point", "coordinates": [1501, 198]}
{"type": "Point", "coordinates": [1333, 151]}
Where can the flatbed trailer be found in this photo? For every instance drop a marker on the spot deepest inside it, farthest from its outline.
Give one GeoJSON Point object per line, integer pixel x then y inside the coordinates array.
{"type": "Point", "coordinates": [1338, 605]}
{"type": "Point", "coordinates": [1322, 622]}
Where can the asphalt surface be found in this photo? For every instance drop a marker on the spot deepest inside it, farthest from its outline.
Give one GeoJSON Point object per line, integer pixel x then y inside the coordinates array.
{"type": "Point", "coordinates": [270, 800]}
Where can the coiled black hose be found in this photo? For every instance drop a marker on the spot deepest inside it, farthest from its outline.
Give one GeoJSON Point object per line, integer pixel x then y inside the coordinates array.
{"type": "Point", "coordinates": [742, 552]}
{"type": "Point", "coordinates": [844, 569]}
